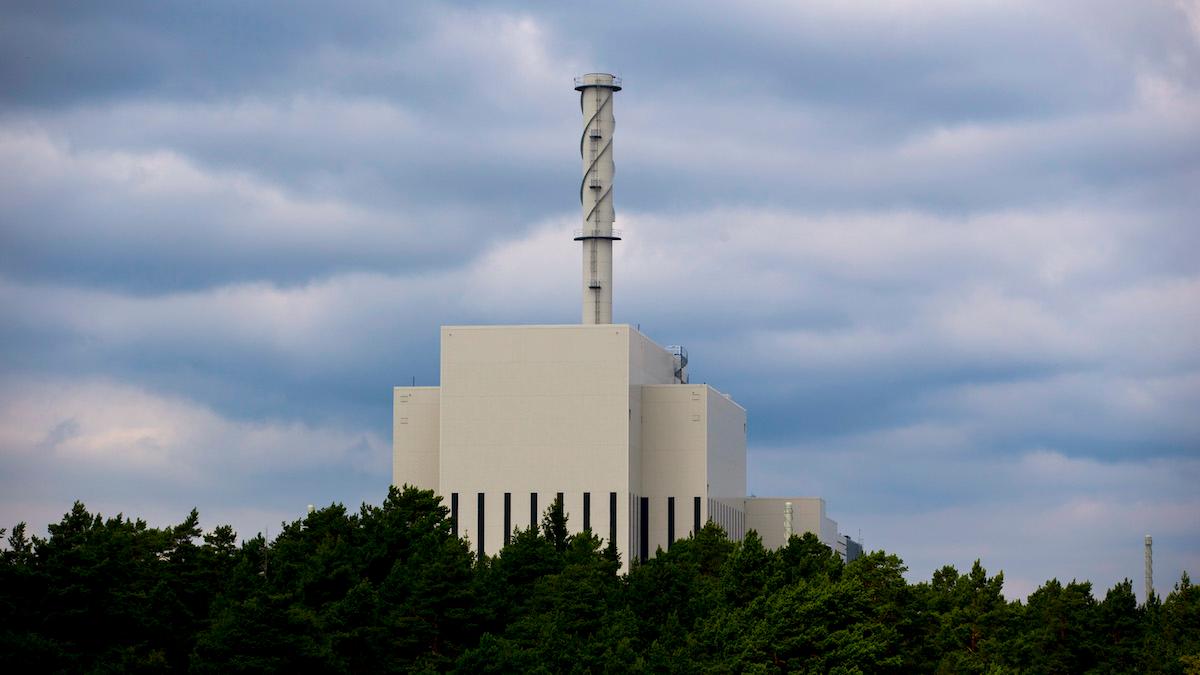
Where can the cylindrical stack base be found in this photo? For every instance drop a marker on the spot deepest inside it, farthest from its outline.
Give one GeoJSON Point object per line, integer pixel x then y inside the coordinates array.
{"type": "Point", "coordinates": [597, 281]}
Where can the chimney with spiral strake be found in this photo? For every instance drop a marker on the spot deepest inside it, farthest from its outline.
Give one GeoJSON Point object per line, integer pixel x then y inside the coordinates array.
{"type": "Point", "coordinates": [595, 193]}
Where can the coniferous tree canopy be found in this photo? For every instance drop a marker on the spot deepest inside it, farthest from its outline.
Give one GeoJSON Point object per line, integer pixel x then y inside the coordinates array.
{"type": "Point", "coordinates": [391, 589]}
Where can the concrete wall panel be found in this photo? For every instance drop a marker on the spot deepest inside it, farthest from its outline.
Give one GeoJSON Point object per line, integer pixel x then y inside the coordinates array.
{"type": "Point", "coordinates": [415, 436]}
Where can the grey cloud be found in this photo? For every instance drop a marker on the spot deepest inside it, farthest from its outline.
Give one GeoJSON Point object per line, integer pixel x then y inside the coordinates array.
{"type": "Point", "coordinates": [144, 453]}
{"type": "Point", "coordinates": [61, 54]}
{"type": "Point", "coordinates": [436, 171]}
{"type": "Point", "coordinates": [327, 354]}
{"type": "Point", "coordinates": [157, 222]}
{"type": "Point", "coordinates": [63, 431]}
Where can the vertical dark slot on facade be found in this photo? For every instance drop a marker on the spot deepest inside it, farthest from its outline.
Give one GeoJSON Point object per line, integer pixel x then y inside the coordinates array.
{"type": "Point", "coordinates": [696, 515]}
{"type": "Point", "coordinates": [507, 517]}
{"type": "Point", "coordinates": [587, 510]}
{"type": "Point", "coordinates": [635, 519]}
{"type": "Point", "coordinates": [670, 522]}
{"type": "Point", "coordinates": [479, 527]}
{"type": "Point", "coordinates": [454, 513]}
{"type": "Point", "coordinates": [532, 510]}
{"type": "Point", "coordinates": [645, 529]}
{"type": "Point", "coordinates": [612, 517]}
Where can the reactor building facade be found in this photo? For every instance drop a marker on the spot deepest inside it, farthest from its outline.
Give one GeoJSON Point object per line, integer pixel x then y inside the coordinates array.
{"type": "Point", "coordinates": [594, 413]}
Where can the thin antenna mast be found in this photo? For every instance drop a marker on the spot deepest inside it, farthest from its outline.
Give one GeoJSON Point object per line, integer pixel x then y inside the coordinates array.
{"type": "Point", "coordinates": [1149, 567]}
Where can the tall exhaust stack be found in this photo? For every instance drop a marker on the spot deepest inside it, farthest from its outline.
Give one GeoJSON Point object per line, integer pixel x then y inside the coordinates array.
{"type": "Point", "coordinates": [1149, 567]}
{"type": "Point", "coordinates": [595, 193]}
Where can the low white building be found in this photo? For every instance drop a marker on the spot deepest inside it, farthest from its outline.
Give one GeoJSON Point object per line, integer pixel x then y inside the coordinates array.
{"type": "Point", "coordinates": [777, 518]}
{"type": "Point", "coordinates": [597, 413]}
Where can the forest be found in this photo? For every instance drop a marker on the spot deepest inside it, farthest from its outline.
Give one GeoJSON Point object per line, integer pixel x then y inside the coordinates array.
{"type": "Point", "coordinates": [390, 589]}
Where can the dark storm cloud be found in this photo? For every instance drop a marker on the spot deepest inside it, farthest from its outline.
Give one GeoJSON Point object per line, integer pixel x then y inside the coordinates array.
{"type": "Point", "coordinates": [56, 54]}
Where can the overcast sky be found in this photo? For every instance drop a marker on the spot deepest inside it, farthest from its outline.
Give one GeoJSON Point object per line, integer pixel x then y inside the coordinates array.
{"type": "Point", "coordinates": [947, 254]}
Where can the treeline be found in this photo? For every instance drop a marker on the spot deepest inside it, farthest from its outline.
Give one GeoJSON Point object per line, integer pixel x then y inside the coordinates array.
{"type": "Point", "coordinates": [391, 589]}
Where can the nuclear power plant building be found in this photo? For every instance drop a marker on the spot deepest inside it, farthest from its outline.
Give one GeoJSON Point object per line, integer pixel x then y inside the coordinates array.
{"type": "Point", "coordinates": [596, 413]}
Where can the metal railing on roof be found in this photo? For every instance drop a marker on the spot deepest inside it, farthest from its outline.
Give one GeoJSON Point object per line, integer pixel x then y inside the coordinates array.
{"type": "Point", "coordinates": [582, 81]}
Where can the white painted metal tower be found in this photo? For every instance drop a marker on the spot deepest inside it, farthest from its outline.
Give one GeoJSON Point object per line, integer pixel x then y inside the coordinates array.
{"type": "Point", "coordinates": [595, 193]}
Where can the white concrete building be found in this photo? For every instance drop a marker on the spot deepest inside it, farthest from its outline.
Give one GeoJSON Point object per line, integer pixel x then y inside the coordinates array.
{"type": "Point", "coordinates": [593, 412]}
{"type": "Point", "coordinates": [597, 413]}
{"type": "Point", "coordinates": [777, 518]}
